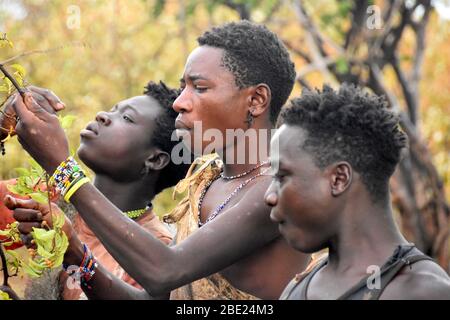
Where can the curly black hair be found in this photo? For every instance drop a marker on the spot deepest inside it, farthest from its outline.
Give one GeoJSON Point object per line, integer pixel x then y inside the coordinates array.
{"type": "Point", "coordinates": [349, 125]}
{"type": "Point", "coordinates": [165, 126]}
{"type": "Point", "coordinates": [254, 55]}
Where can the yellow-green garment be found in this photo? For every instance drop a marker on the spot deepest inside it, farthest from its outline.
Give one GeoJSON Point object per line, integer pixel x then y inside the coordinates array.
{"type": "Point", "coordinates": [185, 215]}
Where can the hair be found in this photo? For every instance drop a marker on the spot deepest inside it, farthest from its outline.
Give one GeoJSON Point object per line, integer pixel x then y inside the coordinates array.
{"type": "Point", "coordinates": [349, 125]}
{"type": "Point", "coordinates": [254, 55]}
{"type": "Point", "coordinates": [165, 125]}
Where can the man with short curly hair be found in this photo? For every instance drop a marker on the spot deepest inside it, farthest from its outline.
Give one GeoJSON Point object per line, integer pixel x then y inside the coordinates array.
{"type": "Point", "coordinates": [333, 156]}
{"type": "Point", "coordinates": [254, 55]}
{"type": "Point", "coordinates": [226, 246]}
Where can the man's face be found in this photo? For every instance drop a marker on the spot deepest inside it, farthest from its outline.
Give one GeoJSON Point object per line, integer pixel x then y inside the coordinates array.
{"type": "Point", "coordinates": [299, 194]}
{"type": "Point", "coordinates": [209, 96]}
{"type": "Point", "coordinates": [118, 142]}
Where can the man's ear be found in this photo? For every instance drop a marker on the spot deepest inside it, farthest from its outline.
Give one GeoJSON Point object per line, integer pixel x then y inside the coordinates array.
{"type": "Point", "coordinates": [341, 178]}
{"type": "Point", "coordinates": [259, 99]}
{"type": "Point", "coordinates": [156, 161]}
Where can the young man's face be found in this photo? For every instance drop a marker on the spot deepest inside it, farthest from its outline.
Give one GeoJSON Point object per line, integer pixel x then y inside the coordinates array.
{"type": "Point", "coordinates": [299, 194]}
{"type": "Point", "coordinates": [210, 97]}
{"type": "Point", "coordinates": [118, 142]}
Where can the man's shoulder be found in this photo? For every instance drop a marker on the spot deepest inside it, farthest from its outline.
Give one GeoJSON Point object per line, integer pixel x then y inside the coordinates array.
{"type": "Point", "coordinates": [422, 280]}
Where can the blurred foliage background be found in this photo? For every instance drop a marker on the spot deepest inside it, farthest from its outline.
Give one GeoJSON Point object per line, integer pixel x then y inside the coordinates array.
{"type": "Point", "coordinates": [97, 52]}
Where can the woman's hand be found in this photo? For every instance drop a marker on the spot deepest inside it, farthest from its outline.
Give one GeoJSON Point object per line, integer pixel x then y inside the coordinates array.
{"type": "Point", "coordinates": [40, 133]}
{"type": "Point", "coordinates": [8, 121]}
{"type": "Point", "coordinates": [31, 214]}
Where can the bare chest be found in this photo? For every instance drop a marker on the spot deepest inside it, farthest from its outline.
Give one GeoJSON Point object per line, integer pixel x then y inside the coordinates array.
{"type": "Point", "coordinates": [219, 197]}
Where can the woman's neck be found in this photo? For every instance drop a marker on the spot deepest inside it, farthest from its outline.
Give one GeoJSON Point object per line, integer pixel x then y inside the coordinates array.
{"type": "Point", "coordinates": [125, 195]}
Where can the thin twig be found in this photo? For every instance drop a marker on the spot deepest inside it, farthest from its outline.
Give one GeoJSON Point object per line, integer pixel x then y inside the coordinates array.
{"type": "Point", "coordinates": [13, 81]}
{"type": "Point", "coordinates": [4, 267]}
{"type": "Point", "coordinates": [47, 178]}
{"type": "Point", "coordinates": [42, 51]}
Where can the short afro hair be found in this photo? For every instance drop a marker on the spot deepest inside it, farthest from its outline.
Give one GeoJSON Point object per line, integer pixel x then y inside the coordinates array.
{"type": "Point", "coordinates": [165, 126]}
{"type": "Point", "coordinates": [349, 125]}
{"type": "Point", "coordinates": [254, 55]}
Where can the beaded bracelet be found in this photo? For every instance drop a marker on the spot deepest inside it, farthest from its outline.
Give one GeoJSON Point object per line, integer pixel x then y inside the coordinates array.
{"type": "Point", "coordinates": [87, 267]}
{"type": "Point", "coordinates": [64, 170]}
{"type": "Point", "coordinates": [67, 176]}
{"type": "Point", "coordinates": [76, 185]}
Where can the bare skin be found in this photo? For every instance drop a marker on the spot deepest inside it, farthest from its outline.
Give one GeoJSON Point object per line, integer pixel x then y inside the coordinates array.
{"type": "Point", "coordinates": [241, 243]}
{"type": "Point", "coordinates": [331, 208]}
{"type": "Point", "coordinates": [126, 165]}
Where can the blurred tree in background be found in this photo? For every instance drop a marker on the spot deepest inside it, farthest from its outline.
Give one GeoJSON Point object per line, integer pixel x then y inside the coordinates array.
{"type": "Point", "coordinates": [98, 52]}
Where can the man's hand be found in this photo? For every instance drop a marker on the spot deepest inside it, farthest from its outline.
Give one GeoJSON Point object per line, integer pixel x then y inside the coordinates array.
{"type": "Point", "coordinates": [39, 131]}
{"type": "Point", "coordinates": [31, 214]}
{"type": "Point", "coordinates": [46, 99]}
{"type": "Point", "coordinates": [49, 101]}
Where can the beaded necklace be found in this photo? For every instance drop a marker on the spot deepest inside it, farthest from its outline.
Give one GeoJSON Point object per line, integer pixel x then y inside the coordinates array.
{"type": "Point", "coordinates": [223, 176]}
{"type": "Point", "coordinates": [134, 214]}
{"type": "Point", "coordinates": [227, 200]}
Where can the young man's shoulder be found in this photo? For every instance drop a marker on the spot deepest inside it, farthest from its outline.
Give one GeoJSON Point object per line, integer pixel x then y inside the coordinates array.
{"type": "Point", "coordinates": [422, 280]}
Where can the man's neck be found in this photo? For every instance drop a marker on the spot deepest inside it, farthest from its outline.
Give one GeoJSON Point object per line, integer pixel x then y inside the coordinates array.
{"type": "Point", "coordinates": [125, 195]}
{"type": "Point", "coordinates": [367, 236]}
{"type": "Point", "coordinates": [244, 154]}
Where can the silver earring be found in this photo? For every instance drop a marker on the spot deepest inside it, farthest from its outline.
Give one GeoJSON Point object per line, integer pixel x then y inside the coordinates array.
{"type": "Point", "coordinates": [250, 119]}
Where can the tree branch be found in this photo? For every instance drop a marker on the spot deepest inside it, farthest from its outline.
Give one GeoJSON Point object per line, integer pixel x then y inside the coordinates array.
{"type": "Point", "coordinates": [408, 93]}
{"type": "Point", "coordinates": [297, 51]}
{"type": "Point", "coordinates": [388, 20]}
{"type": "Point", "coordinates": [357, 22]}
{"type": "Point", "coordinates": [42, 51]}
{"type": "Point", "coordinates": [314, 41]}
{"type": "Point", "coordinates": [241, 8]}
{"type": "Point", "coordinates": [4, 266]}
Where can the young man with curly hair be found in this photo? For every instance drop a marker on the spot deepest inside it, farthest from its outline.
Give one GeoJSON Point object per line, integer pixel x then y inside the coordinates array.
{"type": "Point", "coordinates": [333, 156]}
{"type": "Point", "coordinates": [238, 78]}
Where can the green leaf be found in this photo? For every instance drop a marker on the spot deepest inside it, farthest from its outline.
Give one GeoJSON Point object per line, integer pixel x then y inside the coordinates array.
{"type": "Point", "coordinates": [44, 253]}
{"type": "Point", "coordinates": [39, 197]}
{"type": "Point", "coordinates": [341, 65]}
{"type": "Point", "coordinates": [19, 69]}
{"type": "Point", "coordinates": [44, 238]}
{"type": "Point", "coordinates": [4, 296]}
{"type": "Point", "coordinates": [32, 272]}
{"type": "Point", "coordinates": [58, 220]}
{"type": "Point", "coordinates": [13, 189]}
{"type": "Point", "coordinates": [22, 171]}
{"type": "Point", "coordinates": [13, 254]}
{"type": "Point", "coordinates": [5, 42]}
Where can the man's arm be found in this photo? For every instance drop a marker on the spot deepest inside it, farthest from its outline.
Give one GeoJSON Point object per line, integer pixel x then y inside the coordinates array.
{"type": "Point", "coordinates": [103, 285]}
{"type": "Point", "coordinates": [233, 235]}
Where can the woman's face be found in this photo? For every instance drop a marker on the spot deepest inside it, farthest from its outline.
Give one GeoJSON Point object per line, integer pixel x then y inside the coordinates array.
{"type": "Point", "coordinates": [118, 142]}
